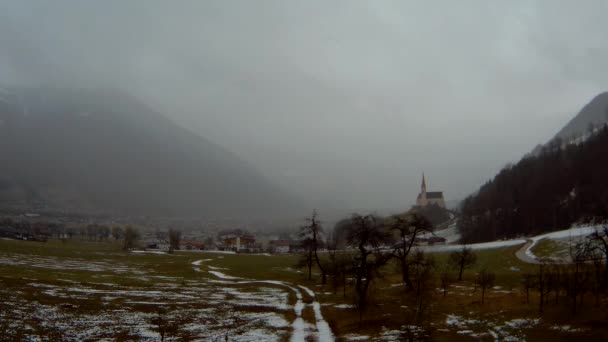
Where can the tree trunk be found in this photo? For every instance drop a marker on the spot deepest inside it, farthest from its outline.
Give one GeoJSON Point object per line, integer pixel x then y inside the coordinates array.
{"type": "Point", "coordinates": [309, 271]}
{"type": "Point", "coordinates": [344, 284]}
{"type": "Point", "coordinates": [323, 273]}
{"type": "Point", "coordinates": [405, 274]}
{"type": "Point", "coordinates": [460, 273]}
{"type": "Point", "coordinates": [309, 261]}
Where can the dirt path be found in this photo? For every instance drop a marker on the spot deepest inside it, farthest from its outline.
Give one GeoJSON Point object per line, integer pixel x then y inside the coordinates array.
{"type": "Point", "coordinates": [301, 329]}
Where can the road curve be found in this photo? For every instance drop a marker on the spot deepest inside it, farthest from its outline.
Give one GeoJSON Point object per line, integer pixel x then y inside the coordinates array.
{"type": "Point", "coordinates": [523, 256]}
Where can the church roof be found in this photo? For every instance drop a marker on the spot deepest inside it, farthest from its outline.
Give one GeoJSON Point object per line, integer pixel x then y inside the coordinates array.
{"type": "Point", "coordinates": [434, 194]}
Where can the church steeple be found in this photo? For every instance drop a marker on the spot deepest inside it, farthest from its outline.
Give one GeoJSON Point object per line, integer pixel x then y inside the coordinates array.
{"type": "Point", "coordinates": [423, 187]}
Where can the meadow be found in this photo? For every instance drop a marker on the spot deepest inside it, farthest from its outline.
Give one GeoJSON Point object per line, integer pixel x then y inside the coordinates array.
{"type": "Point", "coordinates": [83, 290]}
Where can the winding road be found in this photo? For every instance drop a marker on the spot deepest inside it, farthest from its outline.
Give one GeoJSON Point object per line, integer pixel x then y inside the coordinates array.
{"type": "Point", "coordinates": [522, 254]}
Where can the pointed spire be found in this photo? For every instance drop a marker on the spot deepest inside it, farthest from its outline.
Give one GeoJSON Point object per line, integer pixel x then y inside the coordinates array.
{"type": "Point", "coordinates": [423, 187]}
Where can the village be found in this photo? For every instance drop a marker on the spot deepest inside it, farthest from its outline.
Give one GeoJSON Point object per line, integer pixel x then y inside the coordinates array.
{"type": "Point", "coordinates": [36, 227]}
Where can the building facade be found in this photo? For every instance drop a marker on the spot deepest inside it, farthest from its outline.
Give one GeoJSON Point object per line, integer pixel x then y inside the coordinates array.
{"type": "Point", "coordinates": [429, 198]}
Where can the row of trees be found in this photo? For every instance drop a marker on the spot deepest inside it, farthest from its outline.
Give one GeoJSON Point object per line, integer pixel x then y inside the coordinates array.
{"type": "Point", "coordinates": [549, 191]}
{"type": "Point", "coordinates": [93, 232]}
{"type": "Point", "coordinates": [375, 241]}
{"type": "Point", "coordinates": [586, 273]}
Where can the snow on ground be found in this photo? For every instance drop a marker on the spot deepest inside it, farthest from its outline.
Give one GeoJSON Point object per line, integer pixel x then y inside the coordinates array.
{"type": "Point", "coordinates": [344, 306]}
{"type": "Point", "coordinates": [103, 323]}
{"type": "Point", "coordinates": [220, 252]}
{"type": "Point", "coordinates": [571, 233]}
{"type": "Point", "coordinates": [199, 262]}
{"type": "Point", "coordinates": [69, 264]}
{"type": "Point", "coordinates": [450, 234]}
{"type": "Point", "coordinates": [475, 246]}
{"type": "Point", "coordinates": [562, 234]}
{"type": "Point", "coordinates": [302, 330]}
{"type": "Point", "coordinates": [512, 330]}
{"type": "Point", "coordinates": [223, 276]}
{"type": "Point", "coordinates": [354, 337]}
{"type": "Point", "coordinates": [566, 329]}
{"type": "Point", "coordinates": [307, 290]}
{"type": "Point", "coordinates": [325, 333]}
{"type": "Point", "coordinates": [149, 252]}
{"type": "Point", "coordinates": [64, 306]}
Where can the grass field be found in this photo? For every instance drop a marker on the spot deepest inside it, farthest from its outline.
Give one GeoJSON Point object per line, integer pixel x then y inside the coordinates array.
{"type": "Point", "coordinates": [549, 248]}
{"type": "Point", "coordinates": [80, 290]}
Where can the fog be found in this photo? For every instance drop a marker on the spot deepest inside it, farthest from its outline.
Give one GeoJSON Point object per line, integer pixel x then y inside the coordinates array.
{"type": "Point", "coordinates": [344, 103]}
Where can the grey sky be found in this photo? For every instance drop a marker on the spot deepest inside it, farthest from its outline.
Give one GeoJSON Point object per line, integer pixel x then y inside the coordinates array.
{"type": "Point", "coordinates": [344, 103]}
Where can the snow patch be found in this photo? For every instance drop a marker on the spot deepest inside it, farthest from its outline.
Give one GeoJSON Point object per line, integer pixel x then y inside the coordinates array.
{"type": "Point", "coordinates": [224, 276]}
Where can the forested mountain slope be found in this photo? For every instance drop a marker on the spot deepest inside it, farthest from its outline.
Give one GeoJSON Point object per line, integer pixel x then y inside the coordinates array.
{"type": "Point", "coordinates": [562, 185]}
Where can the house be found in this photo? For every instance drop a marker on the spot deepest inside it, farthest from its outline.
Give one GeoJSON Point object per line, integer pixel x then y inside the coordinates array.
{"type": "Point", "coordinates": [429, 198]}
{"type": "Point", "coordinates": [160, 244]}
{"type": "Point", "coordinates": [436, 240]}
{"type": "Point", "coordinates": [238, 243]}
{"type": "Point", "coordinates": [21, 234]}
{"type": "Point", "coordinates": [279, 246]}
{"type": "Point", "coordinates": [191, 245]}
{"type": "Point", "coordinates": [10, 232]}
{"type": "Point", "coordinates": [421, 241]}
{"type": "Point", "coordinates": [297, 246]}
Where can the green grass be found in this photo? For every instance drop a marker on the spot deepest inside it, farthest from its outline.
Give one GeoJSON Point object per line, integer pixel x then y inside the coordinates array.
{"type": "Point", "coordinates": [548, 248]}
{"type": "Point", "coordinates": [390, 306]}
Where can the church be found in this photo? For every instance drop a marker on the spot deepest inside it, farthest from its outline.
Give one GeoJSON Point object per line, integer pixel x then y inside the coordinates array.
{"type": "Point", "coordinates": [429, 198]}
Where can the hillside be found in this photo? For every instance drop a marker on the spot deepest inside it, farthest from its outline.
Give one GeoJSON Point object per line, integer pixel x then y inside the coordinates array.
{"type": "Point", "coordinates": [561, 185]}
{"type": "Point", "coordinates": [104, 151]}
{"type": "Point", "coordinates": [595, 113]}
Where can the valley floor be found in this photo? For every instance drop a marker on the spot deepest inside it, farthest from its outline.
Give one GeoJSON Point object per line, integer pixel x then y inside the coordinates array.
{"type": "Point", "coordinates": [80, 290]}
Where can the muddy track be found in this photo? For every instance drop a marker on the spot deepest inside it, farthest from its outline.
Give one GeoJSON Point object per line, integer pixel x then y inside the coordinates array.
{"type": "Point", "coordinates": [301, 329]}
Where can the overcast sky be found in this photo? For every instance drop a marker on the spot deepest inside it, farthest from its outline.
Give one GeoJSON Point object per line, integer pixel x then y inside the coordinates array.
{"type": "Point", "coordinates": [344, 103]}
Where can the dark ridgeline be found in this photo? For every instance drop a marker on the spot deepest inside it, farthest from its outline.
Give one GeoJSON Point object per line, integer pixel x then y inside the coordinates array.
{"type": "Point", "coordinates": [561, 185]}
{"type": "Point", "coordinates": [104, 151]}
{"type": "Point", "coordinates": [594, 113]}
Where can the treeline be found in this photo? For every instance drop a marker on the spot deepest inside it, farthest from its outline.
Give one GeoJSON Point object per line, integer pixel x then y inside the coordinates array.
{"type": "Point", "coordinates": [563, 185]}
{"type": "Point", "coordinates": [91, 232]}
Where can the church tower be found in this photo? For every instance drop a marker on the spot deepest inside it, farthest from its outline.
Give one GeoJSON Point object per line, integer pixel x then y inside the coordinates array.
{"type": "Point", "coordinates": [429, 198]}
{"type": "Point", "coordinates": [421, 201]}
{"type": "Point", "coordinates": [423, 186]}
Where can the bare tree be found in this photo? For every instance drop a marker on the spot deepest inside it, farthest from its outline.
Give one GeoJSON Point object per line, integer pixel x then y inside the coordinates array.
{"type": "Point", "coordinates": [175, 237]}
{"type": "Point", "coordinates": [485, 280]}
{"type": "Point", "coordinates": [578, 277]}
{"type": "Point", "coordinates": [462, 259]}
{"type": "Point", "coordinates": [307, 258]}
{"type": "Point", "coordinates": [130, 237]}
{"type": "Point", "coordinates": [339, 266]}
{"type": "Point", "coordinates": [163, 325]}
{"type": "Point", "coordinates": [312, 233]}
{"type": "Point", "coordinates": [599, 243]}
{"type": "Point", "coordinates": [368, 235]}
{"type": "Point", "coordinates": [528, 282]}
{"type": "Point", "coordinates": [117, 232]}
{"type": "Point", "coordinates": [103, 232]}
{"type": "Point", "coordinates": [409, 227]}
{"type": "Point", "coordinates": [422, 268]}
{"type": "Point", "coordinates": [543, 283]}
{"type": "Point", "coordinates": [446, 280]}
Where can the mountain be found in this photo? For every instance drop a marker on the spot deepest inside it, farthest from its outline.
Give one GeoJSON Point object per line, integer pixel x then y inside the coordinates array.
{"type": "Point", "coordinates": [594, 113]}
{"type": "Point", "coordinates": [560, 185]}
{"type": "Point", "coordinates": [104, 151]}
